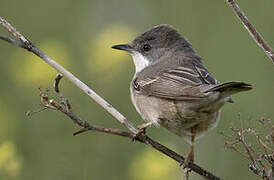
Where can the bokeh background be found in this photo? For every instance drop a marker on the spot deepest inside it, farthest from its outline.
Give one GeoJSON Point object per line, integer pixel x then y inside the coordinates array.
{"type": "Point", "coordinates": [79, 34]}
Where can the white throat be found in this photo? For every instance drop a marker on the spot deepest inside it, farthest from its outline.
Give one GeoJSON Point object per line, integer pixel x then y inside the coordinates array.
{"type": "Point", "coordinates": [140, 61]}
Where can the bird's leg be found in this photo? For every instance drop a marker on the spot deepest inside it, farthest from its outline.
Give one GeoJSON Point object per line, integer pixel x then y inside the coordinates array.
{"type": "Point", "coordinates": [190, 156]}
{"type": "Point", "coordinates": [142, 129]}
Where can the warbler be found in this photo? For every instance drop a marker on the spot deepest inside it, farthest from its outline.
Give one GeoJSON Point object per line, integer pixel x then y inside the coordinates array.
{"type": "Point", "coordinates": [172, 88]}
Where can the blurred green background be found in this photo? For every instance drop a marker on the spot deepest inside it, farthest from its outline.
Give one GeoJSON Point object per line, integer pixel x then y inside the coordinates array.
{"type": "Point", "coordinates": [79, 34]}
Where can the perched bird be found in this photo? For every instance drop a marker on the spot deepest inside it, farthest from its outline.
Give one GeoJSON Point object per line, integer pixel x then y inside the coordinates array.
{"type": "Point", "coordinates": [171, 86]}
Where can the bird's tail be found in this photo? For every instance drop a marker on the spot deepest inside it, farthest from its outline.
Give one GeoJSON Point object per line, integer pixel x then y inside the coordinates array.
{"type": "Point", "coordinates": [229, 88]}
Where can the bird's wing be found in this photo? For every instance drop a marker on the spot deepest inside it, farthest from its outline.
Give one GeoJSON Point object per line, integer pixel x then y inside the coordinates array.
{"type": "Point", "coordinates": [204, 74]}
{"type": "Point", "coordinates": [180, 83]}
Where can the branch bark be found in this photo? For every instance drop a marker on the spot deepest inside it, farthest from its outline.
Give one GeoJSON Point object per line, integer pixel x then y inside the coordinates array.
{"type": "Point", "coordinates": [255, 146]}
{"type": "Point", "coordinates": [65, 108]}
{"type": "Point", "coordinates": [26, 44]}
{"type": "Point", "coordinates": [252, 30]}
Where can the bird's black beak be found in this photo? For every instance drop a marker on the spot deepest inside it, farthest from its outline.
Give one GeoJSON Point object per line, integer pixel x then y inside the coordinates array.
{"type": "Point", "coordinates": [124, 47]}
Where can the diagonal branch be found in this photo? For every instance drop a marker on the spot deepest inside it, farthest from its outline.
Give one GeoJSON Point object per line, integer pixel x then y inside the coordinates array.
{"type": "Point", "coordinates": [251, 29]}
{"type": "Point", "coordinates": [65, 108]}
{"type": "Point", "coordinates": [12, 41]}
{"type": "Point", "coordinates": [26, 44]}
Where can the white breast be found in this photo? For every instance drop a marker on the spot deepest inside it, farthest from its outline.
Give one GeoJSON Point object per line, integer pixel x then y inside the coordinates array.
{"type": "Point", "coordinates": [140, 61]}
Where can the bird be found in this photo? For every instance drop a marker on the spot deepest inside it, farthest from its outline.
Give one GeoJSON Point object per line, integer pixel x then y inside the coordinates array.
{"type": "Point", "coordinates": [172, 88]}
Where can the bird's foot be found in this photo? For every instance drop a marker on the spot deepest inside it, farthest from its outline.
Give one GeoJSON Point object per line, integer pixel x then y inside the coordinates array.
{"type": "Point", "coordinates": [141, 130]}
{"type": "Point", "coordinates": [185, 165]}
{"type": "Point", "coordinates": [189, 159]}
{"type": "Point", "coordinates": [186, 173]}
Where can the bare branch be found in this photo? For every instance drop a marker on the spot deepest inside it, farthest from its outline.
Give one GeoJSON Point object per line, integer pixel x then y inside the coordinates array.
{"type": "Point", "coordinates": [13, 41]}
{"type": "Point", "coordinates": [65, 106]}
{"type": "Point", "coordinates": [14, 32]}
{"type": "Point", "coordinates": [260, 152]}
{"type": "Point", "coordinates": [251, 29]}
{"type": "Point", "coordinates": [29, 46]}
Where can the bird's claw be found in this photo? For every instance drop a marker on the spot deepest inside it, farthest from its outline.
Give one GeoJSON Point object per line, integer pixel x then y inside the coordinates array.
{"type": "Point", "coordinates": [141, 130]}
{"type": "Point", "coordinates": [185, 164]}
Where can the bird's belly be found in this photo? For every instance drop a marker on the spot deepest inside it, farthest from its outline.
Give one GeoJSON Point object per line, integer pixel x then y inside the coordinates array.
{"type": "Point", "coordinates": [178, 117]}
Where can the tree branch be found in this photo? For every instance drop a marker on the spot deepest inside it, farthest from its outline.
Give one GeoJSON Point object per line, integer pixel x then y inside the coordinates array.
{"type": "Point", "coordinates": [251, 29]}
{"type": "Point", "coordinates": [66, 108]}
{"type": "Point", "coordinates": [12, 41]}
{"type": "Point", "coordinates": [254, 146]}
{"type": "Point", "coordinates": [26, 44]}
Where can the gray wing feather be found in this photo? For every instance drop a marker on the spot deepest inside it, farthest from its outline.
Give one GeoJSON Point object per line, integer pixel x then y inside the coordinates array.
{"type": "Point", "coordinates": [166, 88]}
{"type": "Point", "coordinates": [185, 79]}
{"type": "Point", "coordinates": [204, 74]}
{"type": "Point", "coordinates": [180, 83]}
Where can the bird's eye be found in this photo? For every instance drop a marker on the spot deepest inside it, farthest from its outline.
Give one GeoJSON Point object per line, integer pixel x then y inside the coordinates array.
{"type": "Point", "coordinates": [147, 47]}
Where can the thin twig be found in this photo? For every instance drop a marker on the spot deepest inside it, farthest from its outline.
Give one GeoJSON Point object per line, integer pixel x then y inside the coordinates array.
{"type": "Point", "coordinates": [30, 46]}
{"type": "Point", "coordinates": [251, 29]}
{"type": "Point", "coordinates": [50, 103]}
{"type": "Point", "coordinates": [12, 41]}
{"type": "Point", "coordinates": [47, 102]}
{"type": "Point", "coordinates": [261, 163]}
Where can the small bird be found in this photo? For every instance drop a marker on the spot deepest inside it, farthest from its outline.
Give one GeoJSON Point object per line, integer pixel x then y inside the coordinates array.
{"type": "Point", "coordinates": [172, 88]}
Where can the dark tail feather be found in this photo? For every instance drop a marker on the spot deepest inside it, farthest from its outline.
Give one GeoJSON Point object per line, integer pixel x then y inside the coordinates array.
{"type": "Point", "coordinates": [230, 88]}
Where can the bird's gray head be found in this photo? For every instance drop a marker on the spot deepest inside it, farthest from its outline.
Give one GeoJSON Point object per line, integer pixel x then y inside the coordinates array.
{"type": "Point", "coordinates": [150, 46]}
